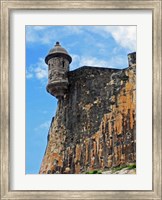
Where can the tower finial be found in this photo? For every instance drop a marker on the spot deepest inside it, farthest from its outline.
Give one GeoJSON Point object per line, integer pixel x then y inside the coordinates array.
{"type": "Point", "coordinates": [57, 44]}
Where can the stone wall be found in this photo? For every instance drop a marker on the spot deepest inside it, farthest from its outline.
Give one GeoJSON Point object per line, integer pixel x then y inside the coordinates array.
{"type": "Point", "coordinates": [95, 123]}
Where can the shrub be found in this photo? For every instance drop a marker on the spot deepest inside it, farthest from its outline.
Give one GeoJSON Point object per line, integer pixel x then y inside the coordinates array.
{"type": "Point", "coordinates": [94, 172]}
{"type": "Point", "coordinates": [133, 166]}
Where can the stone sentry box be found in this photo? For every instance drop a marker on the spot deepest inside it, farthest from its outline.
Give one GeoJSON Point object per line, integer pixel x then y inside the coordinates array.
{"type": "Point", "coordinates": [58, 61]}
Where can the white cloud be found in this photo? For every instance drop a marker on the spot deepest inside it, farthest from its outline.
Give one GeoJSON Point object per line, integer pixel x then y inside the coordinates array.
{"type": "Point", "coordinates": [74, 29]}
{"type": "Point", "coordinates": [41, 72]}
{"type": "Point", "coordinates": [115, 62]}
{"type": "Point", "coordinates": [48, 34]}
{"type": "Point", "coordinates": [119, 62]}
{"type": "Point", "coordinates": [40, 34]}
{"type": "Point", "coordinates": [38, 70]}
{"type": "Point", "coordinates": [43, 126]}
{"type": "Point", "coordinates": [125, 36]}
{"type": "Point", "coordinates": [40, 27]}
{"type": "Point", "coordinates": [92, 61]}
{"type": "Point", "coordinates": [29, 75]}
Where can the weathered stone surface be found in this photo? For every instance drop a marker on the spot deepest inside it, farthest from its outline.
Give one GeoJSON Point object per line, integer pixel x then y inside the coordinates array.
{"type": "Point", "coordinates": [58, 61]}
{"type": "Point", "coordinates": [95, 122]}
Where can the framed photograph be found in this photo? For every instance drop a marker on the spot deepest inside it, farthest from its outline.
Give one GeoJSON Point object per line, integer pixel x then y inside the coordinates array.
{"type": "Point", "coordinates": [81, 99]}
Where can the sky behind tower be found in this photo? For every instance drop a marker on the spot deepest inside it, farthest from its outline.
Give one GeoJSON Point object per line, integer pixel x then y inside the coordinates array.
{"type": "Point", "coordinates": [100, 46]}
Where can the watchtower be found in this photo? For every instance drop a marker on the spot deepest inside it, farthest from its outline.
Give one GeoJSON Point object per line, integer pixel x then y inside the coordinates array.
{"type": "Point", "coordinates": [58, 61]}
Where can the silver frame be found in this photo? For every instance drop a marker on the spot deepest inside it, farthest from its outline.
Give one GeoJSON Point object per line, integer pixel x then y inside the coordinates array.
{"type": "Point", "coordinates": [6, 7]}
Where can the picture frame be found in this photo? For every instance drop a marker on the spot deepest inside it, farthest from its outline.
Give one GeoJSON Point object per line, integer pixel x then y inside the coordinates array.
{"type": "Point", "coordinates": [6, 7]}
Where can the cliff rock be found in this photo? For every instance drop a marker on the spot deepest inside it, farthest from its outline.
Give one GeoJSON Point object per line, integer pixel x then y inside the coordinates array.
{"type": "Point", "coordinates": [95, 124]}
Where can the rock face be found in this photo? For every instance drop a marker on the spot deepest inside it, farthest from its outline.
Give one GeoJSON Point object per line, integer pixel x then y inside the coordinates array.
{"type": "Point", "coordinates": [95, 123]}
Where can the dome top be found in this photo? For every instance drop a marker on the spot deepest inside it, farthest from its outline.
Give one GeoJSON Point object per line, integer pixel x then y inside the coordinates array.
{"type": "Point", "coordinates": [58, 51]}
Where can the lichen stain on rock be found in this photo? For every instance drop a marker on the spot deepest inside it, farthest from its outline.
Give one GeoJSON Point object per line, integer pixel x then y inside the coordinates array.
{"type": "Point", "coordinates": [86, 142]}
{"type": "Point", "coordinates": [78, 152]}
{"type": "Point", "coordinates": [87, 107]}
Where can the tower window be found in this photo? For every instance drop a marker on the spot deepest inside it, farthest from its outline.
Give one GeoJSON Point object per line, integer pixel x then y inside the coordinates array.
{"type": "Point", "coordinates": [63, 63]}
{"type": "Point", "coordinates": [50, 76]}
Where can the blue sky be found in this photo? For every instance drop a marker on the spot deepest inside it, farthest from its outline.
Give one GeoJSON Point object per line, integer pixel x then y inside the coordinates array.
{"type": "Point", "coordinates": [102, 46]}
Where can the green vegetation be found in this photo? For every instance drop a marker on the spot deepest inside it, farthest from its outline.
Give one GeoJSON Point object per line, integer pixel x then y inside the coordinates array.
{"type": "Point", "coordinates": [131, 166]}
{"type": "Point", "coordinates": [94, 172]}
{"type": "Point", "coordinates": [115, 169]}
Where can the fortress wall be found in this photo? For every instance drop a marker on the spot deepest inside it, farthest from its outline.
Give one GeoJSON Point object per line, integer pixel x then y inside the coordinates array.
{"type": "Point", "coordinates": [95, 123]}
